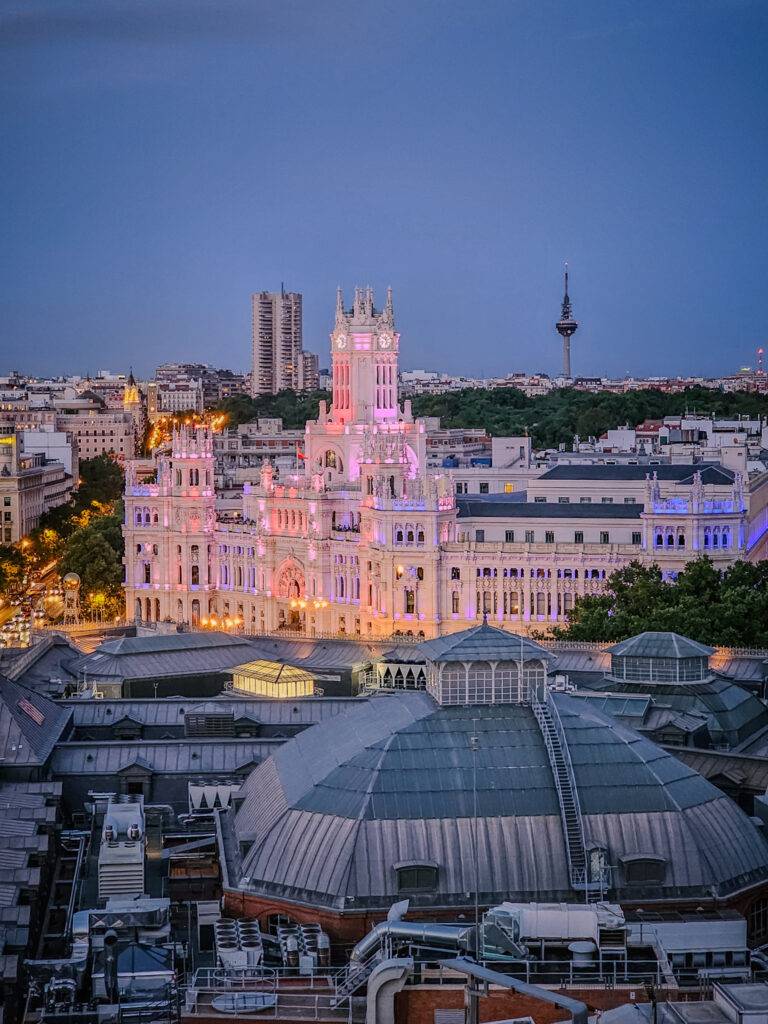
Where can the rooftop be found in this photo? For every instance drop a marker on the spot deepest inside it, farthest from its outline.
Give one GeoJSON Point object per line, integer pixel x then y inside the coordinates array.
{"type": "Point", "coordinates": [390, 781]}
{"type": "Point", "coordinates": [476, 508]}
{"type": "Point", "coordinates": [479, 643]}
{"type": "Point", "coordinates": [30, 724]}
{"type": "Point", "coordinates": [711, 473]}
{"type": "Point", "coordinates": [660, 645]}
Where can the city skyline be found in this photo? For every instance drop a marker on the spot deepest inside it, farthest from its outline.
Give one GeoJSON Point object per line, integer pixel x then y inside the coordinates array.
{"type": "Point", "coordinates": [461, 155]}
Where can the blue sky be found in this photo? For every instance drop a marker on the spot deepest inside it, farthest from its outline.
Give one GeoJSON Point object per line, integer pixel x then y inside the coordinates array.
{"type": "Point", "coordinates": [162, 159]}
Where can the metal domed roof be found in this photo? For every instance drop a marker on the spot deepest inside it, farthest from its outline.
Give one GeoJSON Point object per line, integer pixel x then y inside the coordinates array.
{"type": "Point", "coordinates": [326, 818]}
{"type": "Point", "coordinates": [480, 643]}
{"type": "Point", "coordinates": [660, 645]}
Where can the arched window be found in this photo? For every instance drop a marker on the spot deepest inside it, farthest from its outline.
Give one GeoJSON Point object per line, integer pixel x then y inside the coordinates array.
{"type": "Point", "coordinates": [707, 537]}
{"type": "Point", "coordinates": [146, 516]}
{"type": "Point", "coordinates": [659, 540]}
{"type": "Point", "coordinates": [670, 539]}
{"type": "Point", "coordinates": [195, 578]}
{"type": "Point", "coordinates": [239, 576]}
{"type": "Point", "coordinates": [155, 517]}
{"type": "Point", "coordinates": [178, 478]}
{"type": "Point", "coordinates": [420, 573]}
{"type": "Point", "coordinates": [681, 540]}
{"type": "Point", "coordinates": [420, 537]}
{"type": "Point", "coordinates": [410, 602]}
{"type": "Point", "coordinates": [398, 536]}
{"type": "Point", "coordinates": [178, 574]}
{"type": "Point", "coordinates": [725, 538]}
{"type": "Point", "coordinates": [716, 537]}
{"type": "Point", "coordinates": [455, 573]}
{"type": "Point", "coordinates": [409, 537]}
{"type": "Point", "coordinates": [455, 602]}
{"type": "Point", "coordinates": [147, 572]}
{"type": "Point", "coordinates": [137, 517]}
{"type": "Point", "coordinates": [415, 877]}
{"type": "Point", "coordinates": [330, 459]}
{"type": "Point", "coordinates": [644, 869]}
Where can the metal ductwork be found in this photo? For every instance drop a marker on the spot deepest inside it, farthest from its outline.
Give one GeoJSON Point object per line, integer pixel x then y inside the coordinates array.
{"type": "Point", "coordinates": [412, 933]}
{"type": "Point", "coordinates": [110, 964]}
{"type": "Point", "coordinates": [577, 1009]}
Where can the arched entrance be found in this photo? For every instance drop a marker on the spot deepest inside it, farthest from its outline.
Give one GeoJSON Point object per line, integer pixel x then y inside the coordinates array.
{"type": "Point", "coordinates": [291, 591]}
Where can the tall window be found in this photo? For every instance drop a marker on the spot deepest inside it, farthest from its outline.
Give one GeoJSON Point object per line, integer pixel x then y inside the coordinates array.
{"type": "Point", "coordinates": [410, 602]}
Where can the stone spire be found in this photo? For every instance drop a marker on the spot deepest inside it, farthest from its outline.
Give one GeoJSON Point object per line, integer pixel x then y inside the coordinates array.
{"type": "Point", "coordinates": [388, 315]}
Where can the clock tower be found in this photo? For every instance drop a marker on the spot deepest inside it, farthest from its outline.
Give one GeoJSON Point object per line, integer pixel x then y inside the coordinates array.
{"type": "Point", "coordinates": [364, 344]}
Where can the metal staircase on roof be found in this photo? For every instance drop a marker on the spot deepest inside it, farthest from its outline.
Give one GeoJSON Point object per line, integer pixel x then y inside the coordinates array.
{"type": "Point", "coordinates": [552, 731]}
{"type": "Point", "coordinates": [352, 977]}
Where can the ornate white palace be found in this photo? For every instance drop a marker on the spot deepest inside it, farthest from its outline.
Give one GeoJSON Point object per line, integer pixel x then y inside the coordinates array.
{"type": "Point", "coordinates": [368, 542]}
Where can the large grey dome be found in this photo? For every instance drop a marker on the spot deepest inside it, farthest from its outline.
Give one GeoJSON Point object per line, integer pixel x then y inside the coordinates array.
{"type": "Point", "coordinates": [336, 812]}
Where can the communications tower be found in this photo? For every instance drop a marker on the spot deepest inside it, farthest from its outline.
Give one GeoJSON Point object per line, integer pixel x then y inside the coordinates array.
{"type": "Point", "coordinates": [566, 327]}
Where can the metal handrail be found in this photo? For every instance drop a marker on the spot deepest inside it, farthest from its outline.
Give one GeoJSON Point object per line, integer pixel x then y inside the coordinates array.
{"type": "Point", "coordinates": [578, 875]}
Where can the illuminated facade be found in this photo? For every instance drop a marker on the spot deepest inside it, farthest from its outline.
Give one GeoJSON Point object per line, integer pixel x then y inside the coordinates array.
{"type": "Point", "coordinates": [368, 541]}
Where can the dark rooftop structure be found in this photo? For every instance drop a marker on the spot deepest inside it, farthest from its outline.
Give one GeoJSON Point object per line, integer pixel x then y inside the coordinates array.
{"type": "Point", "coordinates": [49, 665]}
{"type": "Point", "coordinates": [30, 727]}
{"type": "Point", "coordinates": [328, 819]}
{"type": "Point", "coordinates": [183, 663]}
{"type": "Point", "coordinates": [475, 508]}
{"type": "Point", "coordinates": [483, 641]}
{"type": "Point", "coordinates": [711, 473]}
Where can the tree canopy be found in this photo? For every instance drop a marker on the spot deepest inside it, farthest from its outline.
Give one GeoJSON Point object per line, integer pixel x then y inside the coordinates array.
{"type": "Point", "coordinates": [12, 569]}
{"type": "Point", "coordinates": [557, 417]}
{"type": "Point", "coordinates": [551, 419]}
{"type": "Point", "coordinates": [95, 552]}
{"type": "Point", "coordinates": [294, 409]}
{"type": "Point", "coordinates": [723, 607]}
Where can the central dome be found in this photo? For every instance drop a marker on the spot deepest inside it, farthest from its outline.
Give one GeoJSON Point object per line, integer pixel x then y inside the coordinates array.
{"type": "Point", "coordinates": [380, 802]}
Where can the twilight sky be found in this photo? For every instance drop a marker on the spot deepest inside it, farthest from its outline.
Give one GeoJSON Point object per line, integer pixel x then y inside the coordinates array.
{"type": "Point", "coordinates": [162, 159]}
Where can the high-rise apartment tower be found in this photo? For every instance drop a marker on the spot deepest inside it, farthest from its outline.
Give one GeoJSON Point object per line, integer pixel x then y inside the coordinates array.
{"type": "Point", "coordinates": [278, 362]}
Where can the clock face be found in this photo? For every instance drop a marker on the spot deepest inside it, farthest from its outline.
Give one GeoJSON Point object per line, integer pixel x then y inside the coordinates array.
{"type": "Point", "coordinates": [341, 341]}
{"type": "Point", "coordinates": [385, 341]}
